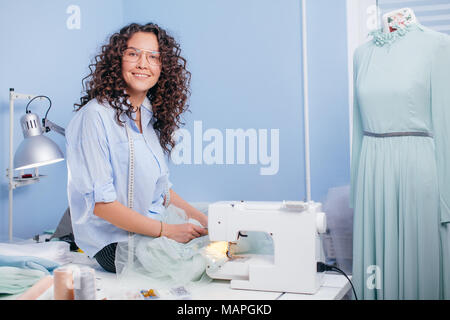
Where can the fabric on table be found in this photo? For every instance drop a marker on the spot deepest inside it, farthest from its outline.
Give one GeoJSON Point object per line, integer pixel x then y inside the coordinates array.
{"type": "Point", "coordinates": [57, 251]}
{"type": "Point", "coordinates": [25, 262]}
{"type": "Point", "coordinates": [163, 262]}
{"type": "Point", "coordinates": [14, 280]}
{"type": "Point", "coordinates": [162, 258]}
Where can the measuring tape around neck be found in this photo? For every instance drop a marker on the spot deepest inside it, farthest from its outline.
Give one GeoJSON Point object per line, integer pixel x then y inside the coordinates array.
{"type": "Point", "coordinates": [130, 193]}
{"type": "Point", "coordinates": [130, 168]}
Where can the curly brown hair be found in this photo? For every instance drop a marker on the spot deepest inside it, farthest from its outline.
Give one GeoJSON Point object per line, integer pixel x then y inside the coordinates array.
{"type": "Point", "coordinates": [168, 96]}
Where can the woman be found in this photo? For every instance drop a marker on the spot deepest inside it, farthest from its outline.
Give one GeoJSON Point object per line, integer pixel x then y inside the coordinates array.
{"type": "Point", "coordinates": [137, 90]}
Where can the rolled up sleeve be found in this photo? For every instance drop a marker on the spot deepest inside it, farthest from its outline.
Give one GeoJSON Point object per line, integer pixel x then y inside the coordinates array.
{"type": "Point", "coordinates": [88, 158]}
{"type": "Point", "coordinates": [104, 192]}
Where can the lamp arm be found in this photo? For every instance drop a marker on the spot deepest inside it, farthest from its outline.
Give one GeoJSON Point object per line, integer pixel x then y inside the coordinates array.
{"type": "Point", "coordinates": [49, 125]}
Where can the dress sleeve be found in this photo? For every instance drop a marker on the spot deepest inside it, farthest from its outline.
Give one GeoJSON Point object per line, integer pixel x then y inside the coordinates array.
{"type": "Point", "coordinates": [356, 134]}
{"type": "Point", "coordinates": [440, 108]}
{"type": "Point", "coordinates": [88, 160]}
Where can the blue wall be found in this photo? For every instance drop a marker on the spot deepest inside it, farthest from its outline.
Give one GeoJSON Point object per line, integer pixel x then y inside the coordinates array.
{"type": "Point", "coordinates": [245, 59]}
{"type": "Point", "coordinates": [328, 96]}
{"type": "Point", "coordinates": [41, 55]}
{"type": "Point", "coordinates": [246, 64]}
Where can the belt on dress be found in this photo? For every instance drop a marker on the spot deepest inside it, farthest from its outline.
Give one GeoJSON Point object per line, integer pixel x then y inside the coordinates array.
{"type": "Point", "coordinates": [398, 134]}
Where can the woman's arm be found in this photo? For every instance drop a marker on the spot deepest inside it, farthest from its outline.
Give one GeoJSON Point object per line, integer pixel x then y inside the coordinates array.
{"type": "Point", "coordinates": [127, 219]}
{"type": "Point", "coordinates": [191, 212]}
{"type": "Point", "coordinates": [132, 221]}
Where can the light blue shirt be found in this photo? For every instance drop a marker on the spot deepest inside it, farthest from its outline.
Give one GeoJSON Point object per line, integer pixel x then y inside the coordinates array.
{"type": "Point", "coordinates": [97, 161]}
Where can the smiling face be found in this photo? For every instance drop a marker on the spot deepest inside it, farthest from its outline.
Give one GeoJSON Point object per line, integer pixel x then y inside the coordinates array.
{"type": "Point", "coordinates": [140, 76]}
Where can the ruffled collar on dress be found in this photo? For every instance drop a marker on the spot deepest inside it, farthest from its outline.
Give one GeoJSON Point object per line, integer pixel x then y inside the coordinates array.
{"type": "Point", "coordinates": [381, 38]}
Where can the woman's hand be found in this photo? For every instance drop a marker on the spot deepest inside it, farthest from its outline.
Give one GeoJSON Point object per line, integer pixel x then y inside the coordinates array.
{"type": "Point", "coordinates": [199, 216]}
{"type": "Point", "coordinates": [203, 219]}
{"type": "Point", "coordinates": [191, 212]}
{"type": "Point", "coordinates": [183, 232]}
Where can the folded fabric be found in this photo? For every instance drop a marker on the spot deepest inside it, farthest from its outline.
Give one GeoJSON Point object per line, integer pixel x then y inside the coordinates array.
{"type": "Point", "coordinates": [58, 251]}
{"type": "Point", "coordinates": [27, 262]}
{"type": "Point", "coordinates": [15, 280]}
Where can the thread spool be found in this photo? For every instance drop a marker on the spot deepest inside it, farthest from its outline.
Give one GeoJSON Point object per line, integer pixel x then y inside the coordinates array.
{"type": "Point", "coordinates": [84, 284]}
{"type": "Point", "coordinates": [63, 284]}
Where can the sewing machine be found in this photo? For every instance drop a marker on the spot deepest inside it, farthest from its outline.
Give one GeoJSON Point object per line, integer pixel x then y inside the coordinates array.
{"type": "Point", "coordinates": [294, 227]}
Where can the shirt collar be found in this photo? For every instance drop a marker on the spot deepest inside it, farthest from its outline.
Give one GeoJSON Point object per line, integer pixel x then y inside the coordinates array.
{"type": "Point", "coordinates": [146, 106]}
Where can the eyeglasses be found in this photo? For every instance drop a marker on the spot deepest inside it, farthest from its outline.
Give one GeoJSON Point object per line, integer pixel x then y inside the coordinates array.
{"type": "Point", "coordinates": [133, 55]}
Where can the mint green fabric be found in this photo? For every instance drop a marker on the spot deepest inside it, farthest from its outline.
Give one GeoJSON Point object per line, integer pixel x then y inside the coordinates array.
{"type": "Point", "coordinates": [29, 262]}
{"type": "Point", "coordinates": [163, 260]}
{"type": "Point", "coordinates": [401, 185]}
{"type": "Point", "coordinates": [15, 280]}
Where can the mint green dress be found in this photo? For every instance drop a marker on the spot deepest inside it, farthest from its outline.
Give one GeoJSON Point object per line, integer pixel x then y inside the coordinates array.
{"type": "Point", "coordinates": [401, 185]}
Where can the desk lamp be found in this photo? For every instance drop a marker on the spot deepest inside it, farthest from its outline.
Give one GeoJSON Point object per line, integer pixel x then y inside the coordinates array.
{"type": "Point", "coordinates": [35, 150]}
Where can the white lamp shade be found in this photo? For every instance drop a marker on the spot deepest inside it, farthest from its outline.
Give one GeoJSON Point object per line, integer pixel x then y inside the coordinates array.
{"type": "Point", "coordinates": [36, 151]}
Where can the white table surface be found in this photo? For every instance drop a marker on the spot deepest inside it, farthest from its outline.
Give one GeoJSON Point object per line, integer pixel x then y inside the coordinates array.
{"type": "Point", "coordinates": [110, 287]}
{"type": "Point", "coordinates": [334, 288]}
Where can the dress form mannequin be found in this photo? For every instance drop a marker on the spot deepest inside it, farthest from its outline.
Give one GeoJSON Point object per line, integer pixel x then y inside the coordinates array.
{"type": "Point", "coordinates": [401, 226]}
{"type": "Point", "coordinates": [398, 19]}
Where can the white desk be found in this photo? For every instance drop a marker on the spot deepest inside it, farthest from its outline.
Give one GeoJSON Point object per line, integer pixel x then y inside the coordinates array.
{"type": "Point", "coordinates": [334, 288]}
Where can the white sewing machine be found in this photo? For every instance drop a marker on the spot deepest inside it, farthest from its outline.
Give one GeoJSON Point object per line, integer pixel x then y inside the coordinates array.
{"type": "Point", "coordinates": [294, 227]}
